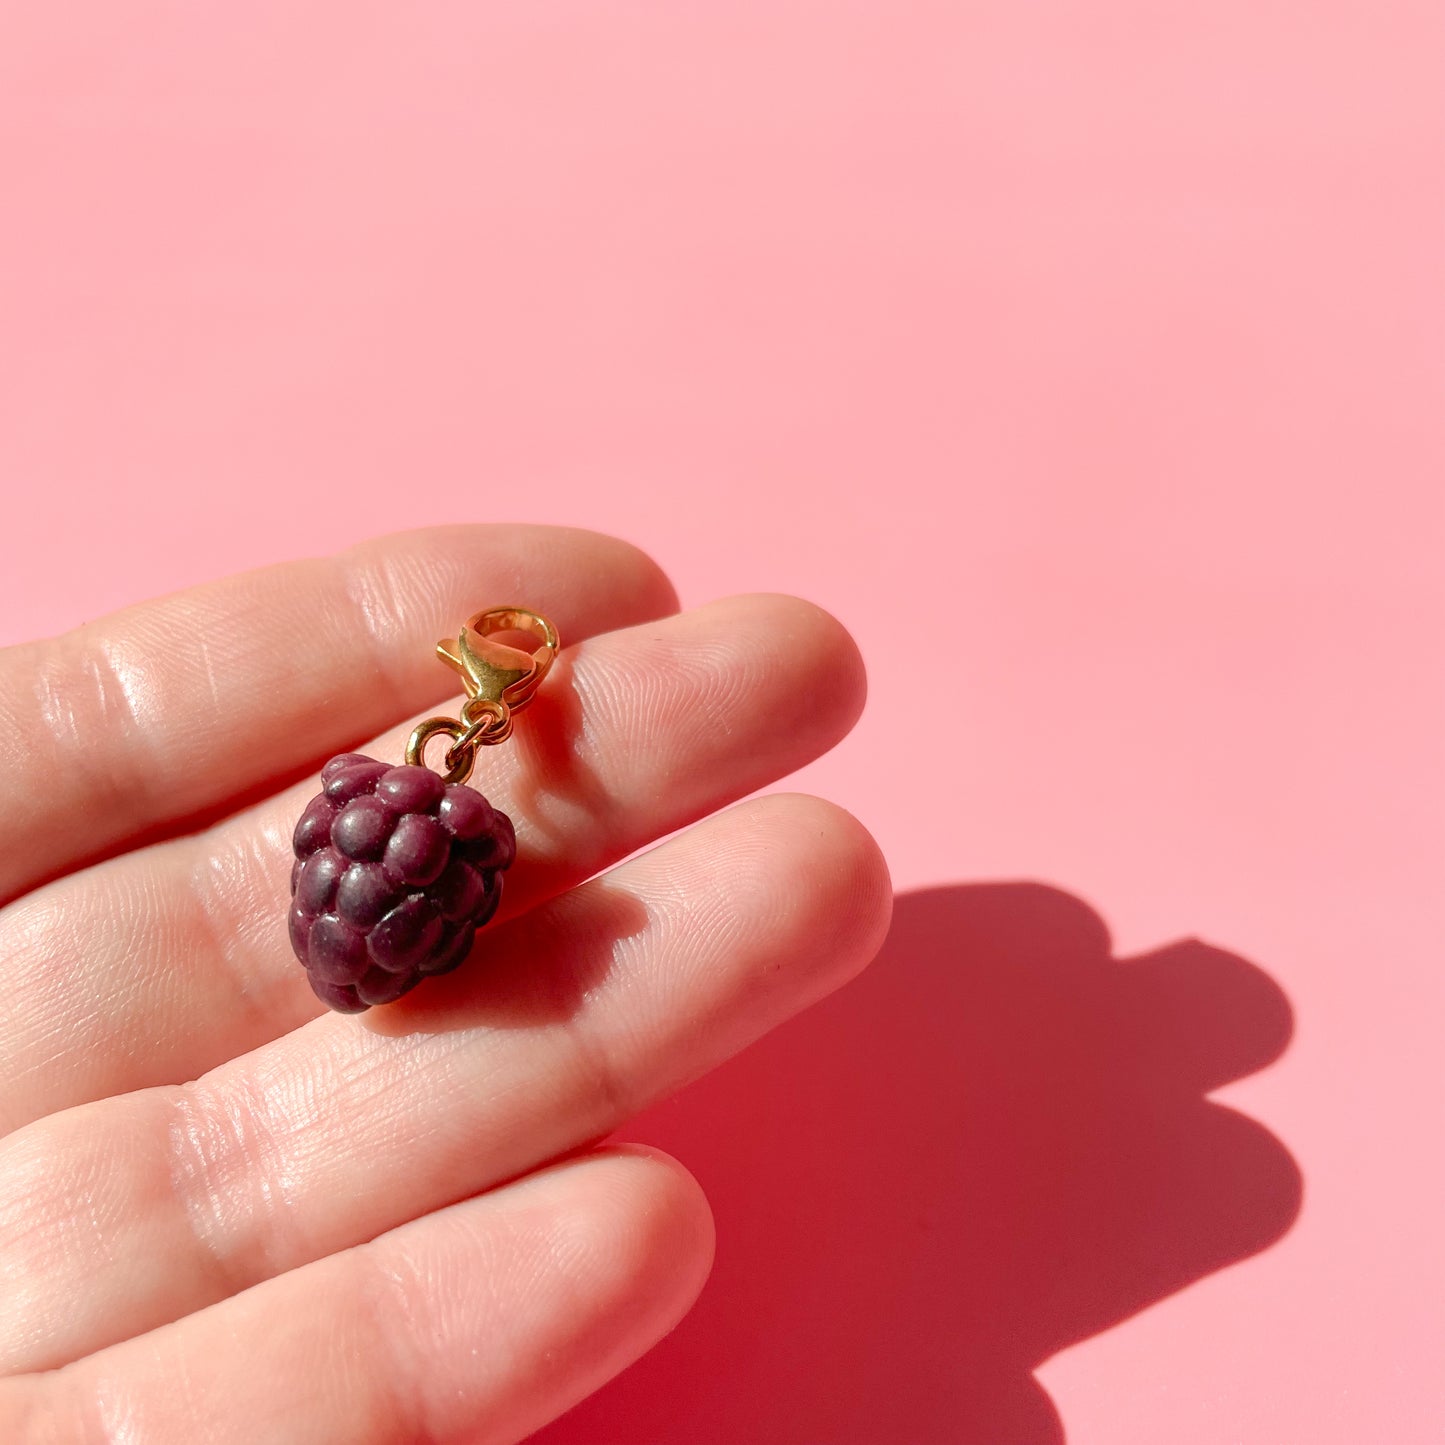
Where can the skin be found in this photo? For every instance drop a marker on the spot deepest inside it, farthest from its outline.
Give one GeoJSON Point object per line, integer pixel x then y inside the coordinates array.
{"type": "Point", "coordinates": [228, 1215]}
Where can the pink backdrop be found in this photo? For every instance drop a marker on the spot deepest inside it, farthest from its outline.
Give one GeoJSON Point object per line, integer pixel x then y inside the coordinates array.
{"type": "Point", "coordinates": [1086, 359]}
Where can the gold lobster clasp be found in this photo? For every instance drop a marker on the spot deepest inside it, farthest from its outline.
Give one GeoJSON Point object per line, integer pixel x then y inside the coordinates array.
{"type": "Point", "coordinates": [494, 671]}
{"type": "Point", "coordinates": [499, 681]}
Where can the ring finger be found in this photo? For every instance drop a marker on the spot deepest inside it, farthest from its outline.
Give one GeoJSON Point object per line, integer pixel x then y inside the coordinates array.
{"type": "Point", "coordinates": [123, 1214]}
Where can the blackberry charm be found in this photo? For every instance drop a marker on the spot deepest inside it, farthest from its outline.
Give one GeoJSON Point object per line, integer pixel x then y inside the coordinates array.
{"type": "Point", "coordinates": [397, 867]}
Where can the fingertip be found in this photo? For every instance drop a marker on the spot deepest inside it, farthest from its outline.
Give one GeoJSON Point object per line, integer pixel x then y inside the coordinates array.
{"type": "Point", "coordinates": [840, 864]}
{"type": "Point", "coordinates": [844, 672]}
{"type": "Point", "coordinates": [819, 648]}
{"type": "Point", "coordinates": [646, 1218]}
{"type": "Point", "coordinates": [651, 584]}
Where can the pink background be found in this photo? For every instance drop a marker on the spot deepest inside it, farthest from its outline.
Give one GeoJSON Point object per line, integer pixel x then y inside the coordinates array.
{"type": "Point", "coordinates": [1086, 359]}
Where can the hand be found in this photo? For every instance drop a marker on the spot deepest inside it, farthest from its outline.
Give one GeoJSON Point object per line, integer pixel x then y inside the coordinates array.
{"type": "Point", "coordinates": [228, 1217]}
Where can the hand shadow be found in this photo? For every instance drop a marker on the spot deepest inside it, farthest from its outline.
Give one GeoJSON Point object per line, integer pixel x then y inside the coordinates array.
{"type": "Point", "coordinates": [993, 1145]}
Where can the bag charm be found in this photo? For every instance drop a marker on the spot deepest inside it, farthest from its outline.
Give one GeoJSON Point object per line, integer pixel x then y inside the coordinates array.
{"type": "Point", "coordinates": [397, 867]}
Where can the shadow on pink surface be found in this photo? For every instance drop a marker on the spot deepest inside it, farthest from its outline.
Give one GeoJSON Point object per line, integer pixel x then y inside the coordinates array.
{"type": "Point", "coordinates": [992, 1146]}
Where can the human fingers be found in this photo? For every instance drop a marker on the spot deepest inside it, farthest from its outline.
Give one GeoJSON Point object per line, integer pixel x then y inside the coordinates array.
{"type": "Point", "coordinates": [161, 964]}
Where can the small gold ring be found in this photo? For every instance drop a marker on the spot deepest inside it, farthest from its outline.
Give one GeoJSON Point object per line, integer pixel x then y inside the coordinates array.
{"type": "Point", "coordinates": [494, 726]}
{"type": "Point", "coordinates": [423, 733]}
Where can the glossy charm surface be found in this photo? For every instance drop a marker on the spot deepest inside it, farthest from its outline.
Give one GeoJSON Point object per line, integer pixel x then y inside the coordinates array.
{"type": "Point", "coordinates": [395, 872]}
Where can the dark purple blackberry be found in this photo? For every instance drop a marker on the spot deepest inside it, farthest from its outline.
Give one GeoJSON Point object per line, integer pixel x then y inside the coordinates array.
{"type": "Point", "coordinates": [395, 872]}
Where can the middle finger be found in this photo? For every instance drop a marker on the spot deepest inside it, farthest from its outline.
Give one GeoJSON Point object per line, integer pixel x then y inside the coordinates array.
{"type": "Point", "coordinates": [158, 965]}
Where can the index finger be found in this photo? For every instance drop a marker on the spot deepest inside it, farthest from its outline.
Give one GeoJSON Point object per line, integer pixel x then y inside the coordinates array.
{"type": "Point", "coordinates": [141, 723]}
